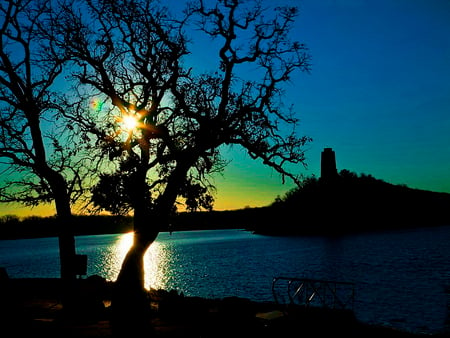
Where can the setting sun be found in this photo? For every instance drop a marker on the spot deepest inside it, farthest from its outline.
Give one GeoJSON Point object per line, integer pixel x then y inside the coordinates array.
{"type": "Point", "coordinates": [130, 122]}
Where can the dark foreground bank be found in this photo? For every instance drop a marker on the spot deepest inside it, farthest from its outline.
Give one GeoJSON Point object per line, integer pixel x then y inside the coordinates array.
{"type": "Point", "coordinates": [33, 307]}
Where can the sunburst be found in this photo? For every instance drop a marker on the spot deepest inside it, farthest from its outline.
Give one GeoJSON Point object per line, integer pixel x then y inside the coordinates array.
{"type": "Point", "coordinates": [130, 122]}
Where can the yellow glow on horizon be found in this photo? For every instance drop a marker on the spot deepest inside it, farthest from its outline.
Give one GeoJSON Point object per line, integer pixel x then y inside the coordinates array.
{"type": "Point", "coordinates": [228, 197]}
{"type": "Point", "coordinates": [243, 184]}
{"type": "Point", "coordinates": [21, 211]}
{"type": "Point", "coordinates": [242, 192]}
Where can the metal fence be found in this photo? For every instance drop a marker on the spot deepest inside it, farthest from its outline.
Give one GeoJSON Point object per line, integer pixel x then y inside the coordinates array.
{"type": "Point", "coordinates": [313, 292]}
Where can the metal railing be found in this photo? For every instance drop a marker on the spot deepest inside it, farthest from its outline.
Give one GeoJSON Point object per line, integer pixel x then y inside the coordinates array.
{"type": "Point", "coordinates": [313, 292]}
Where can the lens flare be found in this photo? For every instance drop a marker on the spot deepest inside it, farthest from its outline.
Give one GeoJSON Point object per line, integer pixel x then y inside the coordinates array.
{"type": "Point", "coordinates": [96, 104]}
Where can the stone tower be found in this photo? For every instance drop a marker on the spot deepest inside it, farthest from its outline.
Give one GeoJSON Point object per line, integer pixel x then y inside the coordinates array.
{"type": "Point", "coordinates": [328, 164]}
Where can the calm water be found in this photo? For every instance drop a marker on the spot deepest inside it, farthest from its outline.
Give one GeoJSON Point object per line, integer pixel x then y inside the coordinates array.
{"type": "Point", "coordinates": [400, 276]}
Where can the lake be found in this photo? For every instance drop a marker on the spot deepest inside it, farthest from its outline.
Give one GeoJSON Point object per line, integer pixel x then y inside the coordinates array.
{"type": "Point", "coordinates": [400, 276]}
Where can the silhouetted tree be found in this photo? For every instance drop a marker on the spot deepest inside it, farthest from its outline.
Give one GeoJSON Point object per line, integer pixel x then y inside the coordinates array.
{"type": "Point", "coordinates": [39, 163]}
{"type": "Point", "coordinates": [131, 56]}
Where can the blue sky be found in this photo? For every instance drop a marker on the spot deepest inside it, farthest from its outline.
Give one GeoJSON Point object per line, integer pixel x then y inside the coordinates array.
{"type": "Point", "coordinates": [378, 94]}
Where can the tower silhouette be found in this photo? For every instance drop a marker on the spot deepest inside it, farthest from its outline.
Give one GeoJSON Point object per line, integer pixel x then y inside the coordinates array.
{"type": "Point", "coordinates": [328, 164]}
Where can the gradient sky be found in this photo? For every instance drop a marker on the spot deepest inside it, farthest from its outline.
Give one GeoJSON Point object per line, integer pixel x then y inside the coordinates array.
{"type": "Point", "coordinates": [378, 94]}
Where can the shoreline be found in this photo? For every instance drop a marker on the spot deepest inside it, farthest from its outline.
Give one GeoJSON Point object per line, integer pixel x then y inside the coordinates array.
{"type": "Point", "coordinates": [257, 220]}
{"type": "Point", "coordinates": [33, 306]}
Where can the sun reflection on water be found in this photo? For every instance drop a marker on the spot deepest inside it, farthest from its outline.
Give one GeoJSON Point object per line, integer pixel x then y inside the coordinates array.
{"type": "Point", "coordinates": [156, 264]}
{"type": "Point", "coordinates": [156, 261]}
{"type": "Point", "coordinates": [113, 258]}
{"type": "Point", "coordinates": [124, 244]}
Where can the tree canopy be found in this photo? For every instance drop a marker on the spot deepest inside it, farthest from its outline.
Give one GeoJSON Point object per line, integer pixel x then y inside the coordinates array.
{"type": "Point", "coordinates": [160, 120]}
{"type": "Point", "coordinates": [152, 120]}
{"type": "Point", "coordinates": [37, 145]}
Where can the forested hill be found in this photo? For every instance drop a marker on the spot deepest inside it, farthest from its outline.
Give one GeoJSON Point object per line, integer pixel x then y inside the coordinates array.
{"type": "Point", "coordinates": [350, 203]}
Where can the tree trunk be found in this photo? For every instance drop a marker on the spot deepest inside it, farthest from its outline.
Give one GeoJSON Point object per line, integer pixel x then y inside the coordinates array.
{"type": "Point", "coordinates": [61, 196]}
{"type": "Point", "coordinates": [67, 250]}
{"type": "Point", "coordinates": [66, 242]}
{"type": "Point", "coordinates": [130, 305]}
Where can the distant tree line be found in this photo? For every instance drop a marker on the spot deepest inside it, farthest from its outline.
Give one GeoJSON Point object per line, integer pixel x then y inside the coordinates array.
{"type": "Point", "coordinates": [12, 227]}
{"type": "Point", "coordinates": [349, 203]}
